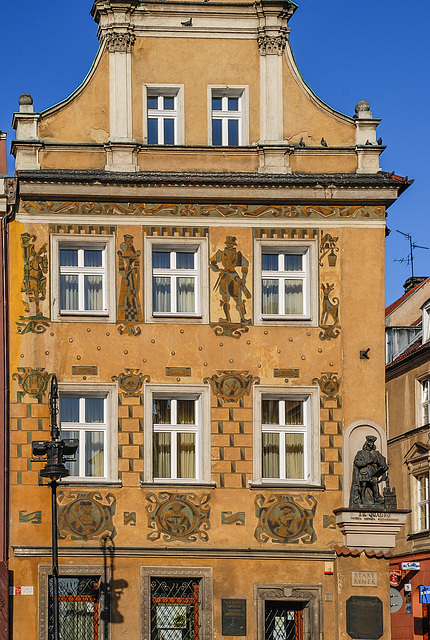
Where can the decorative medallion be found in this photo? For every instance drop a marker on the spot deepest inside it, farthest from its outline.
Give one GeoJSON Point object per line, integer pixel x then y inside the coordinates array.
{"type": "Point", "coordinates": [129, 311]}
{"type": "Point", "coordinates": [329, 314]}
{"type": "Point", "coordinates": [281, 518]}
{"type": "Point", "coordinates": [232, 289]}
{"type": "Point", "coordinates": [228, 517]}
{"type": "Point", "coordinates": [182, 516]}
{"type": "Point", "coordinates": [130, 518]}
{"type": "Point", "coordinates": [84, 515]}
{"type": "Point", "coordinates": [33, 382]}
{"type": "Point", "coordinates": [329, 384]}
{"type": "Point", "coordinates": [33, 286]}
{"type": "Point", "coordinates": [131, 382]}
{"type": "Point", "coordinates": [231, 386]}
{"type": "Point", "coordinates": [35, 517]}
{"type": "Point", "coordinates": [328, 247]}
{"type": "Point", "coordinates": [329, 521]}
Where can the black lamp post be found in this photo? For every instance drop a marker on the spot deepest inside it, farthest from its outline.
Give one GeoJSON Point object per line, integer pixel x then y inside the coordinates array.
{"type": "Point", "coordinates": [57, 452]}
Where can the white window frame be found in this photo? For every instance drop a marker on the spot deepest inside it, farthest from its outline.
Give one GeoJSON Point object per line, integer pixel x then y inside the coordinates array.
{"type": "Point", "coordinates": [422, 503]}
{"type": "Point", "coordinates": [426, 321]}
{"type": "Point", "coordinates": [309, 250]}
{"type": "Point", "coordinates": [110, 428]}
{"type": "Point", "coordinates": [310, 398]}
{"type": "Point", "coordinates": [225, 92]}
{"type": "Point", "coordinates": [160, 90]}
{"type": "Point", "coordinates": [425, 401]}
{"type": "Point", "coordinates": [200, 247]}
{"type": "Point", "coordinates": [84, 242]}
{"type": "Point", "coordinates": [201, 393]}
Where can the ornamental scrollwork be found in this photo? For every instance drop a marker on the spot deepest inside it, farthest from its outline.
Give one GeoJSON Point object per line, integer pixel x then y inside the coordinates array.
{"type": "Point", "coordinates": [182, 516]}
{"type": "Point", "coordinates": [33, 382]}
{"type": "Point", "coordinates": [131, 382]}
{"type": "Point", "coordinates": [329, 384]}
{"type": "Point", "coordinates": [328, 247]}
{"type": "Point", "coordinates": [329, 322]}
{"type": "Point", "coordinates": [84, 515]}
{"type": "Point", "coordinates": [231, 385]}
{"type": "Point", "coordinates": [272, 44]}
{"type": "Point", "coordinates": [120, 42]}
{"type": "Point", "coordinates": [285, 518]}
{"type": "Point", "coordinates": [33, 286]}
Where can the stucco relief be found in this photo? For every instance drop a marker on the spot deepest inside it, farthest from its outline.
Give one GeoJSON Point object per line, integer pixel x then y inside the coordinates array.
{"type": "Point", "coordinates": [120, 42]}
{"type": "Point", "coordinates": [285, 518]}
{"type": "Point", "coordinates": [182, 516]}
{"type": "Point", "coordinates": [84, 515]}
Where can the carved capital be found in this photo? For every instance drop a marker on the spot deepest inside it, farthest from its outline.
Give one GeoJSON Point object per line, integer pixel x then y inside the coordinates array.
{"type": "Point", "coordinates": [121, 42]}
{"type": "Point", "coordinates": [273, 44]}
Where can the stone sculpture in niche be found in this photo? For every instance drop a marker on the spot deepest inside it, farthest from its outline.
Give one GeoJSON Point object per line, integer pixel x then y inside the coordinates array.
{"type": "Point", "coordinates": [285, 518]}
{"type": "Point", "coordinates": [370, 469]}
{"type": "Point", "coordinates": [231, 286]}
{"type": "Point", "coordinates": [33, 286]}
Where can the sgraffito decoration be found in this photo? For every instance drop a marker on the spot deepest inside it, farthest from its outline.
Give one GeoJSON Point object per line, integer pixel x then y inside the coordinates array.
{"type": "Point", "coordinates": [84, 515]}
{"type": "Point", "coordinates": [329, 384]}
{"type": "Point", "coordinates": [129, 310]}
{"type": "Point", "coordinates": [231, 286]}
{"type": "Point", "coordinates": [329, 322]}
{"type": "Point", "coordinates": [329, 521]}
{"type": "Point", "coordinates": [231, 385]}
{"type": "Point", "coordinates": [35, 517]}
{"type": "Point", "coordinates": [182, 516]}
{"type": "Point", "coordinates": [178, 371]}
{"type": "Point", "coordinates": [328, 247]}
{"type": "Point", "coordinates": [122, 209]}
{"type": "Point", "coordinates": [131, 381]}
{"type": "Point", "coordinates": [130, 518]}
{"type": "Point", "coordinates": [228, 517]}
{"type": "Point", "coordinates": [33, 286]}
{"type": "Point", "coordinates": [285, 518]}
{"type": "Point", "coordinates": [33, 382]}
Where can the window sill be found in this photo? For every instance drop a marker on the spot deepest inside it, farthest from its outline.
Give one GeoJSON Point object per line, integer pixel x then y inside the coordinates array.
{"type": "Point", "coordinates": [419, 535]}
{"type": "Point", "coordinates": [284, 320]}
{"type": "Point", "coordinates": [89, 483]}
{"type": "Point", "coordinates": [174, 484]}
{"type": "Point", "coordinates": [286, 485]}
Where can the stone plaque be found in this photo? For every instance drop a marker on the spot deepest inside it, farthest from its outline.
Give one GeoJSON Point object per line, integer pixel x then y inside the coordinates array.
{"type": "Point", "coordinates": [364, 578]}
{"type": "Point", "coordinates": [80, 370]}
{"type": "Point", "coordinates": [286, 373]}
{"type": "Point", "coordinates": [233, 617]}
{"type": "Point", "coordinates": [364, 617]}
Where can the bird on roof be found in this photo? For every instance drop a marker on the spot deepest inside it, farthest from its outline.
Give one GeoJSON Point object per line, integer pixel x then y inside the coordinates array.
{"type": "Point", "coordinates": [379, 141]}
{"type": "Point", "coordinates": [301, 143]}
{"type": "Point", "coordinates": [323, 142]}
{"type": "Point", "coordinates": [187, 23]}
{"type": "Point", "coordinates": [368, 143]}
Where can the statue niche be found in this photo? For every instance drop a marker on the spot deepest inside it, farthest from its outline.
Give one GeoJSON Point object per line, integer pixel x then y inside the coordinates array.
{"type": "Point", "coordinates": [369, 471]}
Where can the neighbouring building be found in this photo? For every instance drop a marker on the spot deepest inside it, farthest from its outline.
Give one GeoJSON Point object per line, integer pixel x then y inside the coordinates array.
{"type": "Point", "coordinates": [196, 239]}
{"type": "Point", "coordinates": [408, 428]}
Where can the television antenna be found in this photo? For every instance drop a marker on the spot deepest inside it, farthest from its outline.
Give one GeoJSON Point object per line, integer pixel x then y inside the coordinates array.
{"type": "Point", "coordinates": [412, 245]}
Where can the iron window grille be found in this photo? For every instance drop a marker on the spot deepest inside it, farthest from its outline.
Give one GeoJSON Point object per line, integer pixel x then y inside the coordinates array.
{"type": "Point", "coordinates": [79, 607]}
{"type": "Point", "coordinates": [175, 609]}
{"type": "Point", "coordinates": [283, 621]}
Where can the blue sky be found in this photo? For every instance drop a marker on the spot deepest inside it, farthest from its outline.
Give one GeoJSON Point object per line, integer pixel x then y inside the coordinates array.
{"type": "Point", "coordinates": [346, 51]}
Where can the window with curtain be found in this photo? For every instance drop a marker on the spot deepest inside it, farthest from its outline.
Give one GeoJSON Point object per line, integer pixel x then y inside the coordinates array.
{"type": "Point", "coordinates": [425, 401]}
{"type": "Point", "coordinates": [162, 116]}
{"type": "Point", "coordinates": [422, 503]}
{"type": "Point", "coordinates": [84, 417]}
{"type": "Point", "coordinates": [285, 438]}
{"type": "Point", "coordinates": [284, 283]}
{"type": "Point", "coordinates": [227, 117]}
{"type": "Point", "coordinates": [176, 442]}
{"type": "Point", "coordinates": [175, 281]}
{"type": "Point", "coordinates": [82, 278]}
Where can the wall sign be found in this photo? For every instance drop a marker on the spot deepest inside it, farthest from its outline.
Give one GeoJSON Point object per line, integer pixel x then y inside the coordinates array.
{"type": "Point", "coordinates": [424, 594]}
{"type": "Point", "coordinates": [364, 617]}
{"type": "Point", "coordinates": [233, 617]}
{"type": "Point", "coordinates": [410, 566]}
{"type": "Point", "coordinates": [396, 600]}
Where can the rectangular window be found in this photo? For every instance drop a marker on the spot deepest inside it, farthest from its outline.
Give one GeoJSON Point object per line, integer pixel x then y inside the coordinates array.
{"type": "Point", "coordinates": [162, 117]}
{"type": "Point", "coordinates": [423, 502]}
{"type": "Point", "coordinates": [228, 114]}
{"type": "Point", "coordinates": [82, 278]}
{"type": "Point", "coordinates": [283, 620]}
{"type": "Point", "coordinates": [78, 607]}
{"type": "Point", "coordinates": [177, 433]}
{"type": "Point", "coordinates": [425, 401]}
{"type": "Point", "coordinates": [175, 609]}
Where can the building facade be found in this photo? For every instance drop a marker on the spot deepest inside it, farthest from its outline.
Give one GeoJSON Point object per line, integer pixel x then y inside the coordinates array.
{"type": "Point", "coordinates": [189, 246]}
{"type": "Point", "coordinates": [407, 393]}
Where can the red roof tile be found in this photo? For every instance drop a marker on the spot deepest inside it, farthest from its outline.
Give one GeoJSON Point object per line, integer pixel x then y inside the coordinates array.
{"type": "Point", "coordinates": [391, 307]}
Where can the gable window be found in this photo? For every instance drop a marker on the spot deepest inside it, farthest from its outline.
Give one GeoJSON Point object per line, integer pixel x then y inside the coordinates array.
{"type": "Point", "coordinates": [228, 115]}
{"type": "Point", "coordinates": [88, 417]}
{"type": "Point", "coordinates": [177, 434]}
{"type": "Point", "coordinates": [163, 114]}
{"type": "Point", "coordinates": [286, 447]}
{"type": "Point", "coordinates": [82, 278]}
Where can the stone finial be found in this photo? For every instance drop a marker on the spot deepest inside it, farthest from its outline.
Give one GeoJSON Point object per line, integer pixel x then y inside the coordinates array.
{"type": "Point", "coordinates": [362, 110]}
{"type": "Point", "coordinates": [26, 103]}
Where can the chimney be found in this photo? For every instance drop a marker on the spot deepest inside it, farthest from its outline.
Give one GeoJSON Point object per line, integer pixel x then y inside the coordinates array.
{"type": "Point", "coordinates": [3, 157]}
{"type": "Point", "coordinates": [410, 283]}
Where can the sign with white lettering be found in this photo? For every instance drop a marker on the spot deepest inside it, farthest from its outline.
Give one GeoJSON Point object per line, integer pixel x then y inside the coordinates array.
{"type": "Point", "coordinates": [424, 594]}
{"type": "Point", "coordinates": [410, 566]}
{"type": "Point", "coordinates": [21, 591]}
{"type": "Point", "coordinates": [364, 578]}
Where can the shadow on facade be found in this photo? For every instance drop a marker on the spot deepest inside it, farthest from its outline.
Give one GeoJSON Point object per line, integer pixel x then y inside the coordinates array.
{"type": "Point", "coordinates": [112, 588]}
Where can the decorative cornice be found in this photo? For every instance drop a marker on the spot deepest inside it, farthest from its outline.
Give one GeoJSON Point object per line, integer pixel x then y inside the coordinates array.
{"type": "Point", "coordinates": [120, 42]}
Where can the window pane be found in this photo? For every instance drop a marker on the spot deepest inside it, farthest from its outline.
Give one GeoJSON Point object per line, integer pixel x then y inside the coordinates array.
{"type": "Point", "coordinates": [94, 454]}
{"type": "Point", "coordinates": [68, 257]}
{"type": "Point", "coordinates": [293, 296]}
{"type": "Point", "coordinates": [93, 293]}
{"type": "Point", "coordinates": [233, 133]}
{"type": "Point", "coordinates": [186, 412]}
{"type": "Point", "coordinates": [233, 104]}
{"type": "Point", "coordinates": [169, 102]}
{"type": "Point", "coordinates": [161, 294]}
{"type": "Point", "coordinates": [293, 412]}
{"type": "Point", "coordinates": [152, 102]}
{"type": "Point", "coordinates": [185, 260]}
{"type": "Point", "coordinates": [162, 455]}
{"type": "Point", "coordinates": [169, 131]}
{"type": "Point", "coordinates": [422, 517]}
{"type": "Point", "coordinates": [270, 455]}
{"type": "Point", "coordinates": [152, 131]}
{"type": "Point", "coordinates": [270, 412]}
{"type": "Point", "coordinates": [186, 462]}
{"type": "Point", "coordinates": [161, 411]}
{"type": "Point", "coordinates": [270, 296]}
{"type": "Point", "coordinates": [94, 409]}
{"type": "Point", "coordinates": [269, 262]}
{"type": "Point", "coordinates": [185, 294]}
{"type": "Point", "coordinates": [161, 260]}
{"type": "Point", "coordinates": [293, 262]}
{"type": "Point", "coordinates": [93, 257]}
{"type": "Point", "coordinates": [216, 103]}
{"type": "Point", "coordinates": [69, 300]}
{"type": "Point", "coordinates": [294, 455]}
{"type": "Point", "coordinates": [72, 466]}
{"type": "Point", "coordinates": [69, 409]}
{"type": "Point", "coordinates": [216, 131]}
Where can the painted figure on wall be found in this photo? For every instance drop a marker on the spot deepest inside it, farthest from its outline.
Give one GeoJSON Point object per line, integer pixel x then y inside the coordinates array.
{"type": "Point", "coordinates": [129, 311]}
{"type": "Point", "coordinates": [370, 469]}
{"type": "Point", "coordinates": [231, 284]}
{"type": "Point", "coordinates": [33, 285]}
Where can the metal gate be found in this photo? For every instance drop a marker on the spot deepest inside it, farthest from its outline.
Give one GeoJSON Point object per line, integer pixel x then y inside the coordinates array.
{"type": "Point", "coordinates": [283, 620]}
{"type": "Point", "coordinates": [78, 607]}
{"type": "Point", "coordinates": [174, 609]}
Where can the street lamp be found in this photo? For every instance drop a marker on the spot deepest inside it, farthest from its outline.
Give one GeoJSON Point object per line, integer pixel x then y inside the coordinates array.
{"type": "Point", "coordinates": [57, 452]}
